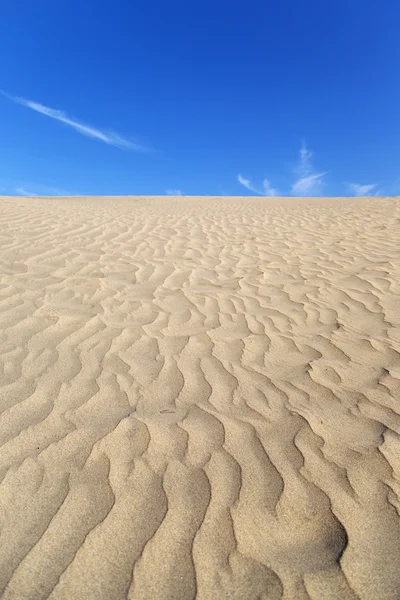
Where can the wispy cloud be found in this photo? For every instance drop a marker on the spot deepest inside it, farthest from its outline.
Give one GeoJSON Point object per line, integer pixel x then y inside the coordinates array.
{"type": "Point", "coordinates": [309, 182]}
{"type": "Point", "coordinates": [28, 189]}
{"type": "Point", "coordinates": [304, 167]}
{"type": "Point", "coordinates": [267, 190]}
{"type": "Point", "coordinates": [306, 186]}
{"type": "Point", "coordinates": [106, 136]}
{"type": "Point", "coordinates": [173, 192]}
{"type": "Point", "coordinates": [247, 184]}
{"type": "Point", "coordinates": [363, 190]}
{"type": "Point", "coordinates": [24, 192]}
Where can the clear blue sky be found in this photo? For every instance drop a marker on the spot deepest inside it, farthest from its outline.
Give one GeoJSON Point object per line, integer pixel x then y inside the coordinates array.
{"type": "Point", "coordinates": [212, 97]}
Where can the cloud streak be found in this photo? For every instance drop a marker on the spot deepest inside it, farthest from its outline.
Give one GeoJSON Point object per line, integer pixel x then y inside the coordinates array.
{"type": "Point", "coordinates": [107, 136]}
{"type": "Point", "coordinates": [362, 190]}
{"type": "Point", "coordinates": [267, 190]}
{"type": "Point", "coordinates": [23, 192]}
{"type": "Point", "coordinates": [247, 184]}
{"type": "Point", "coordinates": [312, 184]}
{"type": "Point", "coordinates": [304, 167]}
{"type": "Point", "coordinates": [173, 192]}
{"type": "Point", "coordinates": [309, 182]}
{"type": "Point", "coordinates": [35, 189]}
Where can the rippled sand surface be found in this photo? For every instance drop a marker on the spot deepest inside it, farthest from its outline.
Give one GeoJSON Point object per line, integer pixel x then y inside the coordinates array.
{"type": "Point", "coordinates": [200, 398]}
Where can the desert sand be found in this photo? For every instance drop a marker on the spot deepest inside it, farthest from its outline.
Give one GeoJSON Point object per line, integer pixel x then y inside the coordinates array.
{"type": "Point", "coordinates": [200, 398]}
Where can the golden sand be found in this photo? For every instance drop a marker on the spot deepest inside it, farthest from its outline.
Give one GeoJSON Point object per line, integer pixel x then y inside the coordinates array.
{"type": "Point", "coordinates": [200, 398]}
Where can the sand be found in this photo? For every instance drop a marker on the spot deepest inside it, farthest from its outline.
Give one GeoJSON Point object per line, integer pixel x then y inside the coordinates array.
{"type": "Point", "coordinates": [200, 398]}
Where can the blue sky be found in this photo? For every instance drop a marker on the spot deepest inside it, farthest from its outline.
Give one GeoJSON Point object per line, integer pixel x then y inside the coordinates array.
{"type": "Point", "coordinates": [200, 98]}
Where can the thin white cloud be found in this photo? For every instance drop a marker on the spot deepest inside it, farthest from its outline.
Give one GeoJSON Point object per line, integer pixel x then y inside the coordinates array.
{"type": "Point", "coordinates": [247, 184]}
{"type": "Point", "coordinates": [309, 183]}
{"type": "Point", "coordinates": [304, 167]}
{"type": "Point", "coordinates": [28, 189]}
{"type": "Point", "coordinates": [362, 190]}
{"type": "Point", "coordinates": [306, 186]}
{"type": "Point", "coordinates": [173, 192]}
{"type": "Point", "coordinates": [24, 192]}
{"type": "Point", "coordinates": [267, 190]}
{"type": "Point", "coordinates": [108, 137]}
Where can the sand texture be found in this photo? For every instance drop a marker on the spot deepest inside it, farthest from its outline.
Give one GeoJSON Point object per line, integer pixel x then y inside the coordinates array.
{"type": "Point", "coordinates": [199, 398]}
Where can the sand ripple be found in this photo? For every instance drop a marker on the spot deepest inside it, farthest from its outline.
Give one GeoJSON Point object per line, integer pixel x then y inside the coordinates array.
{"type": "Point", "coordinates": [199, 399]}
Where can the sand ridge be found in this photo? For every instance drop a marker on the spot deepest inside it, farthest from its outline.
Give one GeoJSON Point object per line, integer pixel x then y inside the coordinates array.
{"type": "Point", "coordinates": [199, 398]}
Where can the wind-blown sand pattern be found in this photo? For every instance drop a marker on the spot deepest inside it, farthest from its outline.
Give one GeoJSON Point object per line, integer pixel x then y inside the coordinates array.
{"type": "Point", "coordinates": [200, 398]}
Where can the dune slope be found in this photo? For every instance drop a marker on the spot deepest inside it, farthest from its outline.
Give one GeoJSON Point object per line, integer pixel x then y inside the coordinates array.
{"type": "Point", "coordinates": [199, 398]}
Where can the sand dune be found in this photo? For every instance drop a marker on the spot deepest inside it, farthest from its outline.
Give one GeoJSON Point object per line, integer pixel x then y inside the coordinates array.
{"type": "Point", "coordinates": [200, 398]}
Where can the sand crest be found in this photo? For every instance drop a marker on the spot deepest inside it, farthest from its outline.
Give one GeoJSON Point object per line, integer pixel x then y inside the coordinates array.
{"type": "Point", "coordinates": [199, 398]}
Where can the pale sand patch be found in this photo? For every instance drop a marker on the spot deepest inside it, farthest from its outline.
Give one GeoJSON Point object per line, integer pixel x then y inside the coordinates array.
{"type": "Point", "coordinates": [200, 397]}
